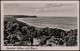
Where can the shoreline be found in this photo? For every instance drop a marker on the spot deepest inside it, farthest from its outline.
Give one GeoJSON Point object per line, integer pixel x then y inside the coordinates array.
{"type": "Point", "coordinates": [32, 32]}
{"type": "Point", "coordinates": [21, 20]}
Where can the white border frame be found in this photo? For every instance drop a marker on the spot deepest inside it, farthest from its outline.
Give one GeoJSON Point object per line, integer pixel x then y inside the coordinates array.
{"type": "Point", "coordinates": [38, 48]}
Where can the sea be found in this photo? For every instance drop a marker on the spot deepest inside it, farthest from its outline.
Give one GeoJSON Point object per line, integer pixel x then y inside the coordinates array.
{"type": "Point", "coordinates": [66, 23]}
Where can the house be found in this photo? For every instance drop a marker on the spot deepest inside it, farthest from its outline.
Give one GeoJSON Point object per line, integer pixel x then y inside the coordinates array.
{"type": "Point", "coordinates": [19, 37]}
{"type": "Point", "coordinates": [26, 43]}
{"type": "Point", "coordinates": [17, 44]}
{"type": "Point", "coordinates": [9, 45]}
{"type": "Point", "coordinates": [64, 44]}
{"type": "Point", "coordinates": [36, 41]}
{"type": "Point", "coordinates": [50, 43]}
{"type": "Point", "coordinates": [53, 41]}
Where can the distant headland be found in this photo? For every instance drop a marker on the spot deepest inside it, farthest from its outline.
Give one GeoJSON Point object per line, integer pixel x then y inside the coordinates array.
{"type": "Point", "coordinates": [20, 16]}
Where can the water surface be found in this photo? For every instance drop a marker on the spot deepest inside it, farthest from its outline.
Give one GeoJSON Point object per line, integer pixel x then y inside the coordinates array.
{"type": "Point", "coordinates": [53, 22]}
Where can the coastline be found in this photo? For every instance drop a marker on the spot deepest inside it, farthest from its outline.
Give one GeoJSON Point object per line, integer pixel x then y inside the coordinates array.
{"type": "Point", "coordinates": [43, 34]}
{"type": "Point", "coordinates": [21, 20]}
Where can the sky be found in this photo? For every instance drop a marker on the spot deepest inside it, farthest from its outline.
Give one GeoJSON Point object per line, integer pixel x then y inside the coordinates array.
{"type": "Point", "coordinates": [41, 9]}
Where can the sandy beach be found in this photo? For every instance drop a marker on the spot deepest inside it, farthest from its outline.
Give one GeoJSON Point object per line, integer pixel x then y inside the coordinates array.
{"type": "Point", "coordinates": [21, 20]}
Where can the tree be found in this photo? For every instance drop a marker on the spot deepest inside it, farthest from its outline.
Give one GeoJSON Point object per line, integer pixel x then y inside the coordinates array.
{"type": "Point", "coordinates": [24, 30]}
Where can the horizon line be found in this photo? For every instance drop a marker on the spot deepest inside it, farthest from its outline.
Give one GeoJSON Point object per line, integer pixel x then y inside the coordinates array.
{"type": "Point", "coordinates": [45, 16]}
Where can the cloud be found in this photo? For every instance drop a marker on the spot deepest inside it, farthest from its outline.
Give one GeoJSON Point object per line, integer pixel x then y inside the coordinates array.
{"type": "Point", "coordinates": [44, 9]}
{"type": "Point", "coordinates": [57, 4]}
